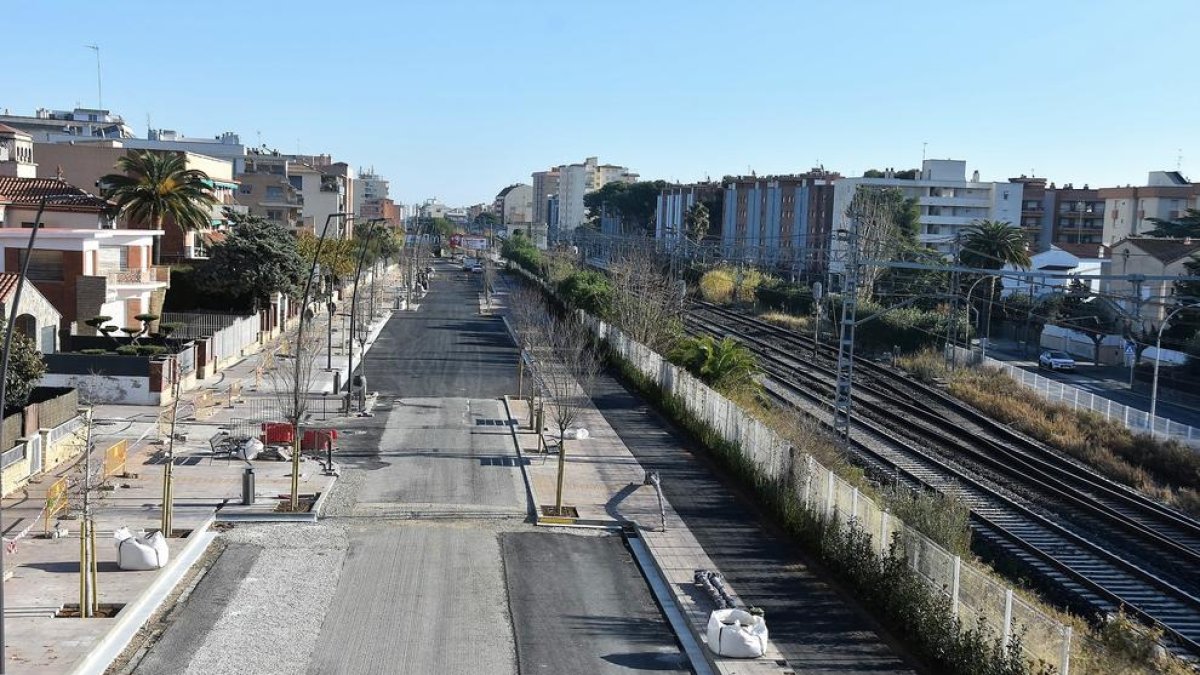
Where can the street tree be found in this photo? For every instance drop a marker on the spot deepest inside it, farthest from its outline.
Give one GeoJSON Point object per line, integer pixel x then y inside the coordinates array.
{"type": "Point", "coordinates": [291, 385]}
{"type": "Point", "coordinates": [156, 186]}
{"type": "Point", "coordinates": [887, 223]}
{"type": "Point", "coordinates": [634, 204]}
{"type": "Point", "coordinates": [568, 368]}
{"type": "Point", "coordinates": [257, 259]}
{"type": "Point", "coordinates": [1185, 325]}
{"type": "Point", "coordinates": [337, 257]}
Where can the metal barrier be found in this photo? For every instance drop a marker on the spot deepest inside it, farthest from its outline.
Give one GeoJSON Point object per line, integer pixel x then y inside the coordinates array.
{"type": "Point", "coordinates": [974, 595]}
{"type": "Point", "coordinates": [114, 459]}
{"type": "Point", "coordinates": [56, 501]}
{"type": "Point", "coordinates": [1059, 392]}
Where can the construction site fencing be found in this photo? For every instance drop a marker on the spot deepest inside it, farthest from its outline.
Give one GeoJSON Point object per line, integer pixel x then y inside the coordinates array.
{"type": "Point", "coordinates": [977, 598]}
{"type": "Point", "coordinates": [1056, 391]}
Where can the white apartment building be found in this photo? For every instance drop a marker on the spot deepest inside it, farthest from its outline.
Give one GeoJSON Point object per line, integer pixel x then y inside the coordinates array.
{"type": "Point", "coordinates": [1127, 210]}
{"type": "Point", "coordinates": [949, 202]}
{"type": "Point", "coordinates": [368, 186]}
{"type": "Point", "coordinates": [576, 180]}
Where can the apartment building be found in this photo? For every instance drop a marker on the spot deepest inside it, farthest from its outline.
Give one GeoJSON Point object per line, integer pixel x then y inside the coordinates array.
{"type": "Point", "coordinates": [1167, 195]}
{"type": "Point", "coordinates": [673, 203]}
{"type": "Point", "coordinates": [949, 202]}
{"type": "Point", "coordinates": [284, 189]}
{"type": "Point", "coordinates": [781, 221]}
{"type": "Point", "coordinates": [1149, 256]}
{"type": "Point", "coordinates": [68, 126]}
{"type": "Point", "coordinates": [1054, 216]}
{"type": "Point", "coordinates": [575, 181]}
{"type": "Point", "coordinates": [516, 206]}
{"type": "Point", "coordinates": [545, 186]}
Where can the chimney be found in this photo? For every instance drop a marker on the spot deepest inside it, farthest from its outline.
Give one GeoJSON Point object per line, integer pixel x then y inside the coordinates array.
{"type": "Point", "coordinates": [975, 176]}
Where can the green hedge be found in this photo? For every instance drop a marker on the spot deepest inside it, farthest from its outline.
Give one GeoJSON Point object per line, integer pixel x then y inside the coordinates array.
{"type": "Point", "coordinates": [522, 251]}
{"type": "Point", "coordinates": [588, 290]}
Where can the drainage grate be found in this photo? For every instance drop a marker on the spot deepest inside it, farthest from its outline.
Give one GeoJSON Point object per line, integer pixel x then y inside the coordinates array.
{"type": "Point", "coordinates": [489, 422]}
{"type": "Point", "coordinates": [503, 461]}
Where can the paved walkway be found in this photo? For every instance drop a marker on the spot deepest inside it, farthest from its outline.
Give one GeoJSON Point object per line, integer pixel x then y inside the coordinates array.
{"type": "Point", "coordinates": [44, 572]}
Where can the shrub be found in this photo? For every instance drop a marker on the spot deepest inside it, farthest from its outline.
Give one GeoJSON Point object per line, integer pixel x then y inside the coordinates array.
{"type": "Point", "coordinates": [151, 350]}
{"type": "Point", "coordinates": [93, 351]}
{"type": "Point", "coordinates": [127, 350]}
{"type": "Point", "coordinates": [717, 286]}
{"type": "Point", "coordinates": [780, 295]}
{"type": "Point", "coordinates": [726, 365]}
{"type": "Point", "coordinates": [588, 290]}
{"type": "Point", "coordinates": [522, 251]}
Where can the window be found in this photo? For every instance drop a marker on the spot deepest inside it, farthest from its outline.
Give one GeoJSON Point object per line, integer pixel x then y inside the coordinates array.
{"type": "Point", "coordinates": [296, 182]}
{"type": "Point", "coordinates": [29, 225]}
{"type": "Point", "coordinates": [273, 214]}
{"type": "Point", "coordinates": [44, 265]}
{"type": "Point", "coordinates": [274, 192]}
{"type": "Point", "coordinates": [246, 189]}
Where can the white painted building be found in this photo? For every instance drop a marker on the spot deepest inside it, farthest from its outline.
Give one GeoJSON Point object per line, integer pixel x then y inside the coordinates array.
{"type": "Point", "coordinates": [1128, 210]}
{"type": "Point", "coordinates": [518, 206]}
{"type": "Point", "coordinates": [1081, 260]}
{"type": "Point", "coordinates": [369, 186]}
{"type": "Point", "coordinates": [949, 202]}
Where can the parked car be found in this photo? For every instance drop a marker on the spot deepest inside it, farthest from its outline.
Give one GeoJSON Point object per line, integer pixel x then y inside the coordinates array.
{"type": "Point", "coordinates": [1055, 360]}
{"type": "Point", "coordinates": [478, 269]}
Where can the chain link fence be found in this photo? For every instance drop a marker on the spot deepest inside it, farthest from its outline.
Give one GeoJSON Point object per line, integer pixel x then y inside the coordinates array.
{"type": "Point", "coordinates": [976, 597]}
{"type": "Point", "coordinates": [1060, 392]}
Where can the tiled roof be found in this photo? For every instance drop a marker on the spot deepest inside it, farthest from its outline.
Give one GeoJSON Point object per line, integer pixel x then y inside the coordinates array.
{"type": "Point", "coordinates": [1166, 250]}
{"type": "Point", "coordinates": [5, 129]}
{"type": "Point", "coordinates": [59, 194]}
{"type": "Point", "coordinates": [8, 284]}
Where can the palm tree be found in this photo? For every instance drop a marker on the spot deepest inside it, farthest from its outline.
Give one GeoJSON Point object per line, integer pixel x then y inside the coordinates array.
{"type": "Point", "coordinates": [155, 186]}
{"type": "Point", "coordinates": [992, 244]}
{"type": "Point", "coordinates": [726, 364]}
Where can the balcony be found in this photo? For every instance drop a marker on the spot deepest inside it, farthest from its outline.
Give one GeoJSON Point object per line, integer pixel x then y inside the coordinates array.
{"type": "Point", "coordinates": [138, 276]}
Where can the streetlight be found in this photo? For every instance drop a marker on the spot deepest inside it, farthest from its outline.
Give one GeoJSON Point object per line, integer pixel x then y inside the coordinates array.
{"type": "Point", "coordinates": [1158, 359]}
{"type": "Point", "coordinates": [362, 254]}
{"type": "Point", "coordinates": [979, 315]}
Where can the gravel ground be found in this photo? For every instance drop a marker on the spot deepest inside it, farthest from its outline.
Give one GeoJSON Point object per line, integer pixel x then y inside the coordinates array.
{"type": "Point", "coordinates": [277, 607]}
{"type": "Point", "coordinates": [345, 491]}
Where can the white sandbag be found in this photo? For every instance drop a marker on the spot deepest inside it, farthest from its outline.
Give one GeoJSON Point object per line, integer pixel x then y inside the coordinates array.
{"type": "Point", "coordinates": [142, 552]}
{"type": "Point", "coordinates": [737, 634]}
{"type": "Point", "coordinates": [576, 434]}
{"type": "Point", "coordinates": [249, 449]}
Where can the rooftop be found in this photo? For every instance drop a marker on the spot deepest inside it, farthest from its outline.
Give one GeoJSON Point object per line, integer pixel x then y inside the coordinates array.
{"type": "Point", "coordinates": [59, 194]}
{"type": "Point", "coordinates": [1166, 250]}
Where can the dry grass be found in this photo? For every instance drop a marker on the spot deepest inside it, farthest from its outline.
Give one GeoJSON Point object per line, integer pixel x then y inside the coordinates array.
{"type": "Point", "coordinates": [1164, 470]}
{"type": "Point", "coordinates": [721, 285]}
{"type": "Point", "coordinates": [789, 321]}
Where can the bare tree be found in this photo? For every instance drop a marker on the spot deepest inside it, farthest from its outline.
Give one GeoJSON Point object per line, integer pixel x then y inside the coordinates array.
{"type": "Point", "coordinates": [648, 304]}
{"type": "Point", "coordinates": [568, 372]}
{"type": "Point", "coordinates": [878, 235]}
{"type": "Point", "coordinates": [291, 384]}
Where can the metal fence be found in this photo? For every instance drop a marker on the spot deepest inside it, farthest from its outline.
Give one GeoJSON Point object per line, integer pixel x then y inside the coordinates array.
{"type": "Point", "coordinates": [1059, 392]}
{"type": "Point", "coordinates": [230, 333]}
{"type": "Point", "coordinates": [976, 598]}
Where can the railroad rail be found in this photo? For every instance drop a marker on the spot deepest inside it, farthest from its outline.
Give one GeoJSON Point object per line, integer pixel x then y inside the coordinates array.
{"type": "Point", "coordinates": [1116, 547]}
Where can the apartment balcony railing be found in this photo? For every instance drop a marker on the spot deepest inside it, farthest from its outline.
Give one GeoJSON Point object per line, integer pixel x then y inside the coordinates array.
{"type": "Point", "coordinates": [147, 275]}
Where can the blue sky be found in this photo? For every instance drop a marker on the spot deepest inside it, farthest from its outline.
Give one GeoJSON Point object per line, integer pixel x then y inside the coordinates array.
{"type": "Point", "coordinates": [457, 99]}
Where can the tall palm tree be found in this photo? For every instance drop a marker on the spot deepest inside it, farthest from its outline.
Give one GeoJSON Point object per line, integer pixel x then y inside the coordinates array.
{"type": "Point", "coordinates": [992, 244]}
{"type": "Point", "coordinates": [154, 186]}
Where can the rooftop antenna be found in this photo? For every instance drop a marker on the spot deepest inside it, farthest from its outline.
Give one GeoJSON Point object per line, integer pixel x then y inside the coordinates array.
{"type": "Point", "coordinates": [1179, 160]}
{"type": "Point", "coordinates": [99, 88]}
{"type": "Point", "coordinates": [924, 144]}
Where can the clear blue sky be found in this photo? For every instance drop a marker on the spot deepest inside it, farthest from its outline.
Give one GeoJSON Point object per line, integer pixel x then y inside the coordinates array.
{"type": "Point", "coordinates": [457, 99]}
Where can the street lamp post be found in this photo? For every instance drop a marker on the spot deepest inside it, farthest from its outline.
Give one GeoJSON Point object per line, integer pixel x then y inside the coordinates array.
{"type": "Point", "coordinates": [978, 314]}
{"type": "Point", "coordinates": [362, 254]}
{"type": "Point", "coordinates": [1158, 360]}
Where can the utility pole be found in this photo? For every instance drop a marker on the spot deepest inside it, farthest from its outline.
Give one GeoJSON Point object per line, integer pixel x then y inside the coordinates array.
{"type": "Point", "coordinates": [952, 322]}
{"type": "Point", "coordinates": [843, 394]}
{"type": "Point", "coordinates": [99, 87]}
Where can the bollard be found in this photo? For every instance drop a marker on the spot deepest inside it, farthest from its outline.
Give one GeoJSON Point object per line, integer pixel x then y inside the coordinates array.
{"type": "Point", "coordinates": [248, 487]}
{"type": "Point", "coordinates": [337, 381]}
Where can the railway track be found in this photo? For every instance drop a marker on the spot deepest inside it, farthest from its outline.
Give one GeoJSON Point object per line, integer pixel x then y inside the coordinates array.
{"type": "Point", "coordinates": [1103, 545]}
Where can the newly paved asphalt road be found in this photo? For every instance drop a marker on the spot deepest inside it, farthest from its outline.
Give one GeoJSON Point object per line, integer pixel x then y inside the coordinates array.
{"type": "Point", "coordinates": [430, 517]}
{"type": "Point", "coordinates": [613, 627]}
{"type": "Point", "coordinates": [815, 627]}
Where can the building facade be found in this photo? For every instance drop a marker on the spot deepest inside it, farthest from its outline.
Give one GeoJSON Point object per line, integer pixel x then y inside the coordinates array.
{"type": "Point", "coordinates": [673, 203]}
{"type": "Point", "coordinates": [545, 186]}
{"type": "Point", "coordinates": [1167, 195]}
{"type": "Point", "coordinates": [517, 206]}
{"type": "Point", "coordinates": [1149, 256]}
{"type": "Point", "coordinates": [780, 221]}
{"type": "Point", "coordinates": [949, 202]}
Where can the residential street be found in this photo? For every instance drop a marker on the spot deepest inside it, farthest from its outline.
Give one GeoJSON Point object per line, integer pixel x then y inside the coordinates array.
{"type": "Point", "coordinates": [425, 548]}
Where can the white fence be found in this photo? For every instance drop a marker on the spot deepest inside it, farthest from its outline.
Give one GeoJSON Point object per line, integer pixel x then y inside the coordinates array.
{"type": "Point", "coordinates": [230, 333]}
{"type": "Point", "coordinates": [1078, 399]}
{"type": "Point", "coordinates": [976, 598]}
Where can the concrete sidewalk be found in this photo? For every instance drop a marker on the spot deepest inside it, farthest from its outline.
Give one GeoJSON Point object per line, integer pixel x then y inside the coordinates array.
{"type": "Point", "coordinates": [603, 482]}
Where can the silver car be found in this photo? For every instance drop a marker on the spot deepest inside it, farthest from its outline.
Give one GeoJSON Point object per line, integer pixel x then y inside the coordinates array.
{"type": "Point", "coordinates": [1055, 360]}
